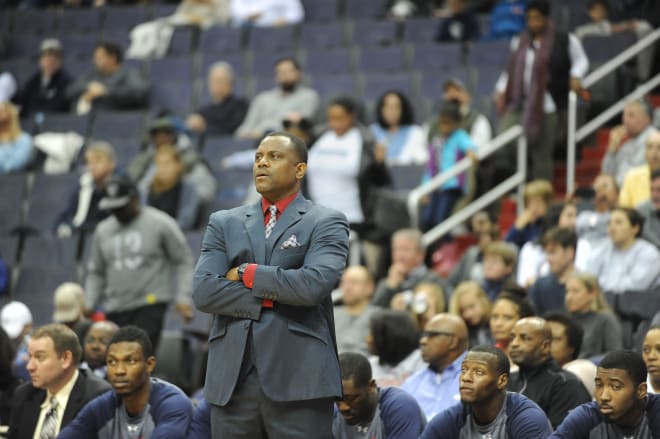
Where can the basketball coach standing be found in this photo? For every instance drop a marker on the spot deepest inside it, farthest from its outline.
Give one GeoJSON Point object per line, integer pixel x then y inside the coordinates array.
{"type": "Point", "coordinates": [266, 272]}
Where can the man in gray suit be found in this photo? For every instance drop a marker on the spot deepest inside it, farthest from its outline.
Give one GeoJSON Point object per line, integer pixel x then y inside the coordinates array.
{"type": "Point", "coordinates": [266, 272]}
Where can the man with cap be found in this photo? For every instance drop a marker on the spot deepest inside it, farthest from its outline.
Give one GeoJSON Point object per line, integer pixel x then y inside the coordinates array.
{"type": "Point", "coordinates": [134, 254]}
{"type": "Point", "coordinates": [45, 91]}
{"type": "Point", "coordinates": [16, 320]}
{"type": "Point", "coordinates": [69, 301]}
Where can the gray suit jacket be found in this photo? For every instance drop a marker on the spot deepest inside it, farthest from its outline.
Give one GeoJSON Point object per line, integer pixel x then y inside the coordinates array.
{"type": "Point", "coordinates": [294, 345]}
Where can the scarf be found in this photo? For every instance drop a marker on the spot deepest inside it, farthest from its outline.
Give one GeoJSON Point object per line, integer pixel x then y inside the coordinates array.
{"type": "Point", "coordinates": [532, 102]}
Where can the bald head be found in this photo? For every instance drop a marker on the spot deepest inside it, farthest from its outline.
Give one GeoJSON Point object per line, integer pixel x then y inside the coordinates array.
{"type": "Point", "coordinates": [96, 342]}
{"type": "Point", "coordinates": [449, 323]}
{"type": "Point", "coordinates": [531, 338]}
{"type": "Point", "coordinates": [356, 286]}
{"type": "Point", "coordinates": [653, 150]}
{"type": "Point", "coordinates": [444, 339]}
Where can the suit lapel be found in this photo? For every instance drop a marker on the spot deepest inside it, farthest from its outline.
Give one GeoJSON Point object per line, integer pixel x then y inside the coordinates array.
{"type": "Point", "coordinates": [291, 216]}
{"type": "Point", "coordinates": [254, 223]}
{"type": "Point", "coordinates": [31, 410]}
{"type": "Point", "coordinates": [75, 400]}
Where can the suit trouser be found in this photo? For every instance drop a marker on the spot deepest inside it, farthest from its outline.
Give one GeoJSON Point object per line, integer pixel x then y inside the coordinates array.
{"type": "Point", "coordinates": [250, 414]}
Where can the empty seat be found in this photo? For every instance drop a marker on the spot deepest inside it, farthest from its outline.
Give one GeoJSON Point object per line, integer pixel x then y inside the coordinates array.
{"type": "Point", "coordinates": [263, 62]}
{"type": "Point", "coordinates": [110, 124]}
{"type": "Point", "coordinates": [382, 59]}
{"type": "Point", "coordinates": [35, 287]}
{"type": "Point", "coordinates": [232, 188]}
{"type": "Point", "coordinates": [375, 85]}
{"type": "Point", "coordinates": [181, 42]}
{"type": "Point", "coordinates": [126, 148]}
{"type": "Point", "coordinates": [406, 177]}
{"type": "Point", "coordinates": [271, 38]}
{"type": "Point", "coordinates": [365, 9]}
{"type": "Point", "coordinates": [159, 10]}
{"type": "Point", "coordinates": [420, 30]}
{"type": "Point", "coordinates": [123, 17]}
{"type": "Point", "coordinates": [74, 21]}
{"type": "Point", "coordinates": [322, 35]}
{"type": "Point", "coordinates": [374, 32]}
{"type": "Point", "coordinates": [219, 39]}
{"type": "Point", "coordinates": [329, 86]}
{"type": "Point", "coordinates": [47, 252]}
{"type": "Point", "coordinates": [12, 191]}
{"type": "Point", "coordinates": [320, 10]}
{"type": "Point", "coordinates": [434, 57]}
{"type": "Point", "coordinates": [22, 69]}
{"type": "Point", "coordinates": [601, 49]}
{"type": "Point", "coordinates": [34, 21]}
{"type": "Point", "coordinates": [327, 62]}
{"type": "Point", "coordinates": [489, 53]}
{"type": "Point", "coordinates": [172, 95]}
{"type": "Point", "coordinates": [24, 47]}
{"type": "Point", "coordinates": [217, 148]}
{"type": "Point", "coordinates": [79, 46]}
{"type": "Point", "coordinates": [171, 68]}
{"type": "Point", "coordinates": [48, 197]}
{"type": "Point", "coordinates": [61, 122]}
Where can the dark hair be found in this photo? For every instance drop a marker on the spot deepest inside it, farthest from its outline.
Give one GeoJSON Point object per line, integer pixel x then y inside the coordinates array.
{"type": "Point", "coordinates": [655, 174]}
{"type": "Point", "coordinates": [562, 236]}
{"type": "Point", "coordinates": [132, 333]}
{"type": "Point", "coordinates": [451, 110]}
{"type": "Point", "coordinates": [290, 59]}
{"type": "Point", "coordinates": [355, 366]}
{"type": "Point", "coordinates": [525, 307]}
{"type": "Point", "coordinates": [542, 6]}
{"type": "Point", "coordinates": [7, 353]}
{"type": "Point", "coordinates": [346, 102]}
{"type": "Point", "coordinates": [64, 339]}
{"type": "Point", "coordinates": [574, 332]}
{"type": "Point", "coordinates": [630, 361]}
{"type": "Point", "coordinates": [503, 365]}
{"type": "Point", "coordinates": [394, 334]}
{"type": "Point", "coordinates": [297, 143]}
{"type": "Point", "coordinates": [634, 217]}
{"type": "Point", "coordinates": [112, 49]}
{"type": "Point", "coordinates": [407, 112]}
{"type": "Point", "coordinates": [603, 3]}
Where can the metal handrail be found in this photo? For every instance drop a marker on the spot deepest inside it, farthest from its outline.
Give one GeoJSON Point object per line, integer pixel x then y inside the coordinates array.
{"type": "Point", "coordinates": [588, 81]}
{"type": "Point", "coordinates": [517, 179]}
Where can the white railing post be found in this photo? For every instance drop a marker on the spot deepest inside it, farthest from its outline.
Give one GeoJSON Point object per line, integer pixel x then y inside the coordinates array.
{"type": "Point", "coordinates": [521, 156]}
{"type": "Point", "coordinates": [570, 139]}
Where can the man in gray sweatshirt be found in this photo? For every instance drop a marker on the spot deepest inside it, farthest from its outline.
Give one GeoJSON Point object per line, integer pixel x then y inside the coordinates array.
{"type": "Point", "coordinates": [134, 254]}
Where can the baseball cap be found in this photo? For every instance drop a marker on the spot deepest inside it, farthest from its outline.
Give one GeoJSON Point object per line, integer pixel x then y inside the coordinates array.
{"type": "Point", "coordinates": [118, 193]}
{"type": "Point", "coordinates": [51, 45]}
{"type": "Point", "coordinates": [68, 302]}
{"type": "Point", "coordinates": [13, 317]}
{"type": "Point", "coordinates": [454, 82]}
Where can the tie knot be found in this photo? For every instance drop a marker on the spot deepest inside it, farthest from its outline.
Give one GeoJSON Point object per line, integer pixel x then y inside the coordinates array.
{"type": "Point", "coordinates": [53, 402]}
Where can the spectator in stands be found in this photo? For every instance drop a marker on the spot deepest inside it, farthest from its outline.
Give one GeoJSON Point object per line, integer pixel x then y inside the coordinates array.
{"type": "Point", "coordinates": [548, 292]}
{"type": "Point", "coordinates": [45, 91]}
{"type": "Point", "coordinates": [95, 347]}
{"type": "Point", "coordinates": [530, 223]}
{"type": "Point", "coordinates": [69, 306]}
{"type": "Point", "coordinates": [651, 355]}
{"type": "Point", "coordinates": [443, 344]}
{"type": "Point", "coordinates": [625, 262]}
{"type": "Point", "coordinates": [487, 410]}
{"type": "Point", "coordinates": [407, 269]}
{"type": "Point", "coordinates": [352, 318]}
{"type": "Point", "coordinates": [226, 111]}
{"type": "Point", "coordinates": [470, 302]}
{"type": "Point", "coordinates": [345, 170]}
{"type": "Point", "coordinates": [635, 188]}
{"type": "Point", "coordinates": [623, 407]}
{"type": "Point", "coordinates": [139, 405]}
{"type": "Point", "coordinates": [82, 212]}
{"type": "Point", "coordinates": [8, 86]}
{"type": "Point", "coordinates": [600, 26]}
{"type": "Point", "coordinates": [423, 303]}
{"type": "Point", "coordinates": [134, 254]}
{"type": "Point", "coordinates": [366, 408]}
{"type": "Point", "coordinates": [202, 13]}
{"type": "Point", "coordinates": [162, 132]}
{"type": "Point", "coordinates": [15, 144]}
{"type": "Point", "coordinates": [592, 225]}
{"type": "Point", "coordinates": [586, 304]}
{"type": "Point", "coordinates": [567, 337]}
{"type": "Point", "coordinates": [396, 132]}
{"type": "Point", "coordinates": [169, 191]}
{"type": "Point", "coordinates": [8, 378]}
{"type": "Point", "coordinates": [16, 320]}
{"type": "Point", "coordinates": [540, 378]}
{"type": "Point", "coordinates": [470, 266]}
{"type": "Point", "coordinates": [453, 145]}
{"type": "Point", "coordinates": [58, 391]}
{"type": "Point", "coordinates": [460, 25]}
{"type": "Point", "coordinates": [290, 100]}
{"type": "Point", "coordinates": [627, 143]}
{"type": "Point", "coordinates": [266, 12]}
{"type": "Point", "coordinates": [108, 85]}
{"type": "Point", "coordinates": [507, 310]}
{"type": "Point", "coordinates": [650, 211]}
{"type": "Point", "coordinates": [507, 18]}
{"type": "Point", "coordinates": [545, 64]}
{"type": "Point", "coordinates": [499, 263]}
{"type": "Point", "coordinates": [393, 342]}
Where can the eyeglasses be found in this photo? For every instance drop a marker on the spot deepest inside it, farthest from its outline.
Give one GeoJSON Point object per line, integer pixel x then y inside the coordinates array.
{"type": "Point", "coordinates": [430, 334]}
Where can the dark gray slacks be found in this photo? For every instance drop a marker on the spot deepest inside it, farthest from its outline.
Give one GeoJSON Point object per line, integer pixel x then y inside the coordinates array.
{"type": "Point", "coordinates": [250, 414]}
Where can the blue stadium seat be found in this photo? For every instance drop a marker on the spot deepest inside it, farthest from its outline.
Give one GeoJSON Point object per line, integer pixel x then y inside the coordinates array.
{"type": "Point", "coordinates": [602, 49]}
{"type": "Point", "coordinates": [126, 148]}
{"type": "Point", "coordinates": [406, 177]}
{"type": "Point", "coordinates": [489, 53]}
{"type": "Point", "coordinates": [219, 40]}
{"type": "Point", "coordinates": [435, 57]}
{"type": "Point", "coordinates": [365, 9]}
{"type": "Point", "coordinates": [320, 10]}
{"type": "Point", "coordinates": [124, 18]}
{"type": "Point", "coordinates": [232, 188]}
{"type": "Point", "coordinates": [78, 46]}
{"type": "Point", "coordinates": [322, 35]}
{"type": "Point", "coordinates": [382, 59]}
{"type": "Point", "coordinates": [172, 95]}
{"type": "Point", "coordinates": [374, 85]}
{"type": "Point", "coordinates": [63, 122]}
{"type": "Point", "coordinates": [217, 148]}
{"type": "Point", "coordinates": [263, 62]}
{"type": "Point", "coordinates": [159, 10]}
{"type": "Point", "coordinates": [374, 32]}
{"type": "Point", "coordinates": [124, 124]}
{"type": "Point", "coordinates": [271, 38]}
{"type": "Point", "coordinates": [24, 47]}
{"type": "Point", "coordinates": [35, 287]}
{"type": "Point", "coordinates": [171, 68]}
{"type": "Point", "coordinates": [12, 191]}
{"type": "Point", "coordinates": [49, 252]}
{"type": "Point", "coordinates": [76, 21]}
{"type": "Point", "coordinates": [420, 30]}
{"type": "Point", "coordinates": [328, 61]}
{"type": "Point", "coordinates": [486, 79]}
{"type": "Point", "coordinates": [181, 42]}
{"type": "Point", "coordinates": [22, 69]}
{"type": "Point", "coordinates": [329, 86]}
{"type": "Point", "coordinates": [34, 22]}
{"type": "Point", "coordinates": [48, 197]}
{"type": "Point", "coordinates": [118, 36]}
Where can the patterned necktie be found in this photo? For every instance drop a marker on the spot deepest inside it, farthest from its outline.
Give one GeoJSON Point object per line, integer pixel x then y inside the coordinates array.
{"type": "Point", "coordinates": [272, 220]}
{"type": "Point", "coordinates": [49, 427]}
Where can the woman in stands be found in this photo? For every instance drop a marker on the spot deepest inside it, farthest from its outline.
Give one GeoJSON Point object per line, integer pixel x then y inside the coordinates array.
{"type": "Point", "coordinates": [396, 131]}
{"type": "Point", "coordinates": [586, 304]}
{"type": "Point", "coordinates": [470, 302]}
{"type": "Point", "coordinates": [15, 145]}
{"type": "Point", "coordinates": [508, 308]}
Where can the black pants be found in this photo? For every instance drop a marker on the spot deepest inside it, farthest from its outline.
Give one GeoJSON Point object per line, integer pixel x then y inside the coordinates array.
{"type": "Point", "coordinates": [148, 317]}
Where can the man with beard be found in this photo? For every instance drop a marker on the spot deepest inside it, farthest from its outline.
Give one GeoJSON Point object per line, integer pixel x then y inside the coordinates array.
{"type": "Point", "coordinates": [487, 410]}
{"type": "Point", "coordinates": [366, 411]}
{"type": "Point", "coordinates": [290, 100]}
{"type": "Point", "coordinates": [140, 406]}
{"type": "Point", "coordinates": [623, 408]}
{"type": "Point", "coordinates": [96, 346]}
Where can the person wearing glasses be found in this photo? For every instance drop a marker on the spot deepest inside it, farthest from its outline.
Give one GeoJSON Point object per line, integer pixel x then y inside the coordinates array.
{"type": "Point", "coordinates": [443, 344]}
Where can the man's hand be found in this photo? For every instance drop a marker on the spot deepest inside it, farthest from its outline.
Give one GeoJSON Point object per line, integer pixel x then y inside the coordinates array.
{"type": "Point", "coordinates": [380, 153]}
{"type": "Point", "coordinates": [576, 85]}
{"type": "Point", "coordinates": [196, 123]}
{"type": "Point", "coordinates": [232, 274]}
{"type": "Point", "coordinates": [185, 310]}
{"type": "Point", "coordinates": [500, 103]}
{"type": "Point", "coordinates": [524, 218]}
{"type": "Point", "coordinates": [395, 275]}
{"type": "Point", "coordinates": [616, 137]}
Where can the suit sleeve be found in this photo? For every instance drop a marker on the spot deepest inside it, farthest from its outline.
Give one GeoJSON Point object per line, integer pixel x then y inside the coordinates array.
{"type": "Point", "coordinates": [212, 292]}
{"type": "Point", "coordinates": [312, 283]}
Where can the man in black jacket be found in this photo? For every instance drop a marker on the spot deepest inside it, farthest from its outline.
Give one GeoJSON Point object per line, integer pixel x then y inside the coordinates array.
{"type": "Point", "coordinates": [540, 378]}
